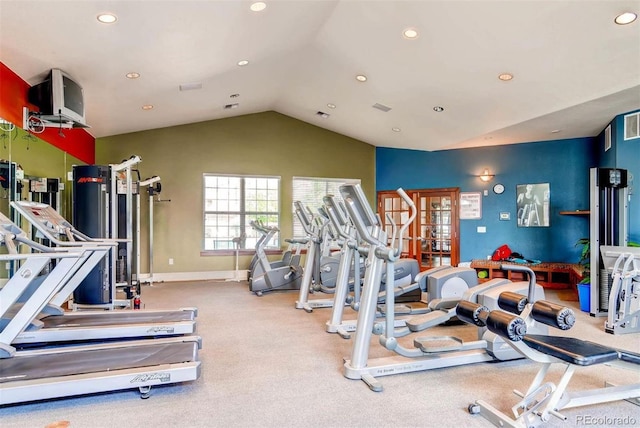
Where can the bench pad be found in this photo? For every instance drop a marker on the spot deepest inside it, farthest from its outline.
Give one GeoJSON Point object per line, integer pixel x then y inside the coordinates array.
{"type": "Point", "coordinates": [571, 350]}
{"type": "Point", "coordinates": [630, 357]}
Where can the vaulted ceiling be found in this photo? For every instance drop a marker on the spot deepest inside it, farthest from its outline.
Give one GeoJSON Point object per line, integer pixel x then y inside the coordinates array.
{"type": "Point", "coordinates": [573, 68]}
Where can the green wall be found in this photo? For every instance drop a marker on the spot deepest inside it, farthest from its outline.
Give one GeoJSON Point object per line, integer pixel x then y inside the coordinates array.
{"type": "Point", "coordinates": [262, 144]}
{"type": "Point", "coordinates": [38, 159]}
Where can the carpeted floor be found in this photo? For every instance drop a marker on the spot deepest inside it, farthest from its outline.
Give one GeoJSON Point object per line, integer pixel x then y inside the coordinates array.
{"type": "Point", "coordinates": [266, 364]}
{"type": "Point", "coordinates": [567, 295]}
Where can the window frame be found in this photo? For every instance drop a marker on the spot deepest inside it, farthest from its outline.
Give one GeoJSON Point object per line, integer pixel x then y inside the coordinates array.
{"type": "Point", "coordinates": [242, 212]}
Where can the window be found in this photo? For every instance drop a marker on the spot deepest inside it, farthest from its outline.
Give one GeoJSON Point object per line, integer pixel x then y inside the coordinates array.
{"type": "Point", "coordinates": [311, 190]}
{"type": "Point", "coordinates": [231, 203]}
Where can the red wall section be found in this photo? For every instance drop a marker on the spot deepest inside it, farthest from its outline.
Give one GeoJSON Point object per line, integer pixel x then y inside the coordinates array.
{"type": "Point", "coordinates": [13, 97]}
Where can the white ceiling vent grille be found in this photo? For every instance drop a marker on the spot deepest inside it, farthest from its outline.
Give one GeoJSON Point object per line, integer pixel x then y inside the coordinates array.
{"type": "Point", "coordinates": [607, 138]}
{"type": "Point", "coordinates": [190, 86]}
{"type": "Point", "coordinates": [381, 107]}
{"type": "Point", "coordinates": [632, 126]}
{"type": "Point", "coordinates": [230, 106]}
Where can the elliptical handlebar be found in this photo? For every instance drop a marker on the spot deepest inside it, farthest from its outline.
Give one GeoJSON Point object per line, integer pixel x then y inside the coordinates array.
{"type": "Point", "coordinates": [336, 222]}
{"type": "Point", "coordinates": [413, 212]}
{"type": "Point", "coordinates": [358, 222]}
{"type": "Point", "coordinates": [394, 228]}
{"type": "Point", "coordinates": [304, 220]}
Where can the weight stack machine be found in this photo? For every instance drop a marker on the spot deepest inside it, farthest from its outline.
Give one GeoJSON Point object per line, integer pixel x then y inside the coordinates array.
{"type": "Point", "coordinates": [102, 208]}
{"type": "Point", "coordinates": [609, 208]}
{"type": "Point", "coordinates": [11, 176]}
{"type": "Point", "coordinates": [91, 185]}
{"type": "Point", "coordinates": [10, 186]}
{"type": "Point", "coordinates": [48, 191]}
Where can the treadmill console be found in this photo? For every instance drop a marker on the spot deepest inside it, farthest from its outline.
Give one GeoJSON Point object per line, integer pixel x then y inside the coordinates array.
{"type": "Point", "coordinates": [49, 223]}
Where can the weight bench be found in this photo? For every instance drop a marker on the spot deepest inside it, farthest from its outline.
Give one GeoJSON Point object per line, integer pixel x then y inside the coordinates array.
{"type": "Point", "coordinates": [544, 399]}
{"type": "Point", "coordinates": [572, 350]}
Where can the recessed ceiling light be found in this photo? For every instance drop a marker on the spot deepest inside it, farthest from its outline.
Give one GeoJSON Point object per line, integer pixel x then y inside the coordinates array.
{"type": "Point", "coordinates": [438, 109]}
{"type": "Point", "coordinates": [107, 18]}
{"type": "Point", "coordinates": [396, 129]}
{"type": "Point", "coordinates": [331, 105]}
{"type": "Point", "coordinates": [555, 131]}
{"type": "Point", "coordinates": [234, 95]}
{"type": "Point", "coordinates": [133, 75]}
{"type": "Point", "coordinates": [361, 78]}
{"type": "Point", "coordinates": [147, 107]}
{"type": "Point", "coordinates": [505, 77]}
{"type": "Point", "coordinates": [243, 63]}
{"type": "Point", "coordinates": [410, 33]}
{"type": "Point", "coordinates": [258, 6]}
{"type": "Point", "coordinates": [625, 18]}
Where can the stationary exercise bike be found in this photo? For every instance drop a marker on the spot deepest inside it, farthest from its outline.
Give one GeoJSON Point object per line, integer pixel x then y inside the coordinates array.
{"type": "Point", "coordinates": [267, 276]}
{"type": "Point", "coordinates": [290, 257]}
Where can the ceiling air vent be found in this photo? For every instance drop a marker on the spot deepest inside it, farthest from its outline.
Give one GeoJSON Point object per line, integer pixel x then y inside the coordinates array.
{"type": "Point", "coordinates": [190, 86]}
{"type": "Point", "coordinates": [322, 114]}
{"type": "Point", "coordinates": [381, 107]}
{"type": "Point", "coordinates": [230, 106]}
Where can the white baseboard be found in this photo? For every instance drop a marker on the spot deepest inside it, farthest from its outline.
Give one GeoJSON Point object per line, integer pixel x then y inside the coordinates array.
{"type": "Point", "coordinates": [220, 275]}
{"type": "Point", "coordinates": [195, 276]}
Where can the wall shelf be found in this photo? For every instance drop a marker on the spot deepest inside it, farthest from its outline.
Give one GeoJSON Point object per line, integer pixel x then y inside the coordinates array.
{"type": "Point", "coordinates": [576, 212]}
{"type": "Point", "coordinates": [549, 275]}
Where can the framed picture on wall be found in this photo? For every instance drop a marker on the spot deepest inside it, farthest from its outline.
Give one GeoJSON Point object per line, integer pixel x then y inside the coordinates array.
{"type": "Point", "coordinates": [533, 205]}
{"type": "Point", "coordinates": [470, 205]}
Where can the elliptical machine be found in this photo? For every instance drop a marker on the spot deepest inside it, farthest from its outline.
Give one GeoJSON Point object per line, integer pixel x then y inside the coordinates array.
{"type": "Point", "coordinates": [428, 352]}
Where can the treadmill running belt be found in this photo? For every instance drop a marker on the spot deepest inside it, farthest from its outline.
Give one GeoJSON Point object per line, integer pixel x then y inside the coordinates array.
{"type": "Point", "coordinates": [102, 319]}
{"type": "Point", "coordinates": [26, 367]}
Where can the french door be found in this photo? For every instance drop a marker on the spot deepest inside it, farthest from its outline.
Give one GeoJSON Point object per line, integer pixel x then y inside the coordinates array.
{"type": "Point", "coordinates": [433, 238]}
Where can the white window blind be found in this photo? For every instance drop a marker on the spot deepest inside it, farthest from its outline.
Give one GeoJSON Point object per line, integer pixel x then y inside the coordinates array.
{"type": "Point", "coordinates": [311, 190]}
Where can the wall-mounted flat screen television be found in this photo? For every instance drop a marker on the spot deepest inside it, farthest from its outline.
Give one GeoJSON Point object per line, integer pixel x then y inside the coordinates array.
{"type": "Point", "coordinates": [60, 99]}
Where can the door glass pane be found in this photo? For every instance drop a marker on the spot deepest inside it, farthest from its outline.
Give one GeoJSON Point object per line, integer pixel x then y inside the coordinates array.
{"type": "Point", "coordinates": [388, 204]}
{"type": "Point", "coordinates": [446, 203]}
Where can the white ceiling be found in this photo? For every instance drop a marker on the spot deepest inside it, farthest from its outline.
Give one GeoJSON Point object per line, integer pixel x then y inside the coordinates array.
{"type": "Point", "coordinates": [574, 68]}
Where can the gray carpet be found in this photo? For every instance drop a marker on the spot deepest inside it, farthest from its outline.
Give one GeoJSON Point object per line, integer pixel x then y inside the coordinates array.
{"type": "Point", "coordinates": [266, 364]}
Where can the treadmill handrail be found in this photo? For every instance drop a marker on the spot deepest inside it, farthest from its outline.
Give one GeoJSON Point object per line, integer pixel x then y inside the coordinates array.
{"type": "Point", "coordinates": [49, 255]}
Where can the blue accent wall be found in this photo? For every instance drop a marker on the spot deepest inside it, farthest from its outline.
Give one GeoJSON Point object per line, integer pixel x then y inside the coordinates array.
{"type": "Point", "coordinates": [564, 164]}
{"type": "Point", "coordinates": [627, 155]}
